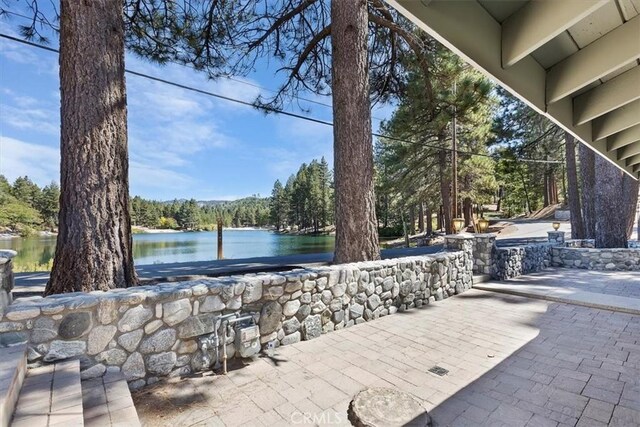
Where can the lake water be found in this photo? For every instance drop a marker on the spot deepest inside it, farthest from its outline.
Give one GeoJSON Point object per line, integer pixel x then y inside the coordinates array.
{"type": "Point", "coordinates": [153, 248]}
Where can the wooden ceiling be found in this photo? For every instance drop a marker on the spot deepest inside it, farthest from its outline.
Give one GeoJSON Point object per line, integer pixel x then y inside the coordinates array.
{"type": "Point", "coordinates": [575, 61]}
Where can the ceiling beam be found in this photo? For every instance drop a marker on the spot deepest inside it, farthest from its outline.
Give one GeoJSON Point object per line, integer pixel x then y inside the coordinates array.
{"type": "Point", "coordinates": [628, 151]}
{"type": "Point", "coordinates": [468, 29]}
{"type": "Point", "coordinates": [610, 95]}
{"type": "Point", "coordinates": [605, 55]}
{"type": "Point", "coordinates": [616, 121]}
{"type": "Point", "coordinates": [538, 22]}
{"type": "Point", "coordinates": [633, 160]}
{"type": "Point", "coordinates": [623, 138]}
{"type": "Point", "coordinates": [636, 168]}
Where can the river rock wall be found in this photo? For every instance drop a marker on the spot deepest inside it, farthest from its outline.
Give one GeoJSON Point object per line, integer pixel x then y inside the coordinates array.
{"type": "Point", "coordinates": [147, 332]}
{"type": "Point", "coordinates": [515, 261]}
{"type": "Point", "coordinates": [581, 254]}
{"type": "Point", "coordinates": [6, 278]}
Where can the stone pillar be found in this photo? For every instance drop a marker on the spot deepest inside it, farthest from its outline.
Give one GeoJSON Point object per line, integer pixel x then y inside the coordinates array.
{"type": "Point", "coordinates": [556, 237]}
{"type": "Point", "coordinates": [6, 278]}
{"type": "Point", "coordinates": [483, 253]}
{"type": "Point", "coordinates": [464, 243]}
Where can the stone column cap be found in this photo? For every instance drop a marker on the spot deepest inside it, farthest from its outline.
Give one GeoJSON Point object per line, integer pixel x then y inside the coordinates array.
{"type": "Point", "coordinates": [485, 235]}
{"type": "Point", "coordinates": [462, 236]}
{"type": "Point", "coordinates": [6, 255]}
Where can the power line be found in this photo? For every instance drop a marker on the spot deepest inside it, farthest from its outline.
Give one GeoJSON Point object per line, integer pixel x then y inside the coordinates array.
{"type": "Point", "coordinates": [234, 79]}
{"type": "Point", "coordinates": [263, 107]}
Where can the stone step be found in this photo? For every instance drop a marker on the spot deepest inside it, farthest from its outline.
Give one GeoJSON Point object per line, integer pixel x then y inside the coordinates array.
{"type": "Point", "coordinates": [13, 367]}
{"type": "Point", "coordinates": [51, 396]}
{"type": "Point", "coordinates": [107, 402]}
{"type": "Point", "coordinates": [481, 278]}
{"type": "Point", "coordinates": [566, 295]}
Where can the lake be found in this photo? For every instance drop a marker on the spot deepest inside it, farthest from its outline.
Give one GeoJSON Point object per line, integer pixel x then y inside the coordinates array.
{"type": "Point", "coordinates": [154, 248]}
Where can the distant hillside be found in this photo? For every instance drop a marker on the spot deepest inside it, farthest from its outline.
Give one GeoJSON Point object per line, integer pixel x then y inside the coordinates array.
{"type": "Point", "coordinates": [213, 203]}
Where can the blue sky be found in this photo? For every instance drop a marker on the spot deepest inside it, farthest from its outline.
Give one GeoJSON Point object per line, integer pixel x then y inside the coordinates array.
{"type": "Point", "coordinates": [181, 144]}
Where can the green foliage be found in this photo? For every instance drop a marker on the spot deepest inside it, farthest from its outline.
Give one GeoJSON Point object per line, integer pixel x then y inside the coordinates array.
{"type": "Point", "coordinates": [18, 205]}
{"type": "Point", "coordinates": [17, 215]}
{"type": "Point", "coordinates": [413, 161]}
{"type": "Point", "coordinates": [200, 215]}
{"type": "Point", "coordinates": [306, 201]}
{"type": "Point", "coordinates": [521, 133]}
{"type": "Point", "coordinates": [26, 208]}
{"type": "Point", "coordinates": [28, 267]}
{"type": "Point", "coordinates": [167, 223]}
{"type": "Point", "coordinates": [49, 204]}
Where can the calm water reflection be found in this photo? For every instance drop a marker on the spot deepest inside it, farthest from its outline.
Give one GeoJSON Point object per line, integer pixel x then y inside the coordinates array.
{"type": "Point", "coordinates": [185, 247]}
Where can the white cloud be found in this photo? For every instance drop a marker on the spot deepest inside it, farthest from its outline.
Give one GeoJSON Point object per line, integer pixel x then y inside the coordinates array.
{"type": "Point", "coordinates": [18, 158]}
{"type": "Point", "coordinates": [23, 112]}
{"type": "Point", "coordinates": [41, 62]}
{"type": "Point", "coordinates": [144, 176]}
{"type": "Point", "coordinates": [41, 164]}
{"type": "Point", "coordinates": [34, 119]}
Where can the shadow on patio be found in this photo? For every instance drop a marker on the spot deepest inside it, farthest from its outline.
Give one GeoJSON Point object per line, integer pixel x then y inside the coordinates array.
{"type": "Point", "coordinates": [512, 361]}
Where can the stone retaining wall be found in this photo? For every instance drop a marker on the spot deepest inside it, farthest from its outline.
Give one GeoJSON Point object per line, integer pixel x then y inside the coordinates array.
{"type": "Point", "coordinates": [515, 261]}
{"type": "Point", "coordinates": [152, 331]}
{"type": "Point", "coordinates": [6, 278]}
{"type": "Point", "coordinates": [582, 254]}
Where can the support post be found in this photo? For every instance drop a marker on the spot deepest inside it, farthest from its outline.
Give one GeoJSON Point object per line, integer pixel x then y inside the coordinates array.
{"type": "Point", "coordinates": [219, 228]}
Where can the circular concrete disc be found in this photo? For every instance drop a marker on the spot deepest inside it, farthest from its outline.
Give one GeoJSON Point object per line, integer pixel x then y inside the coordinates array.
{"type": "Point", "coordinates": [385, 407]}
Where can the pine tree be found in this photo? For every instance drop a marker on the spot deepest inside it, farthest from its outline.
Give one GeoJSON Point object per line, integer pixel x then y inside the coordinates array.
{"type": "Point", "coordinates": [94, 245]}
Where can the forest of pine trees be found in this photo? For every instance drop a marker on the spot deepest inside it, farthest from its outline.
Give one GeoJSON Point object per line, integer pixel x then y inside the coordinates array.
{"type": "Point", "coordinates": [25, 207]}
{"type": "Point", "coordinates": [305, 202]}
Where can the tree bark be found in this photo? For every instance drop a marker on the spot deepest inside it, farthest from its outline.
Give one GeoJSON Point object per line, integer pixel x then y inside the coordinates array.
{"type": "Point", "coordinates": [356, 223]}
{"type": "Point", "coordinates": [429, 229]}
{"type": "Point", "coordinates": [421, 217]}
{"type": "Point", "coordinates": [467, 211]}
{"type": "Point", "coordinates": [412, 220]}
{"type": "Point", "coordinates": [445, 192]}
{"type": "Point", "coordinates": [573, 193]}
{"type": "Point", "coordinates": [587, 187]}
{"type": "Point", "coordinates": [546, 193]}
{"type": "Point", "coordinates": [630, 189]}
{"type": "Point", "coordinates": [94, 246]}
{"type": "Point", "coordinates": [611, 209]}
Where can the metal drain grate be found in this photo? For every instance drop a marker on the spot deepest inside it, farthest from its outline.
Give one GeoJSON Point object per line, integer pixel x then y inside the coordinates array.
{"type": "Point", "coordinates": [438, 370]}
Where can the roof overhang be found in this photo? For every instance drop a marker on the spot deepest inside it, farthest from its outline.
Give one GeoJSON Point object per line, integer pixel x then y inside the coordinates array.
{"type": "Point", "coordinates": [574, 61]}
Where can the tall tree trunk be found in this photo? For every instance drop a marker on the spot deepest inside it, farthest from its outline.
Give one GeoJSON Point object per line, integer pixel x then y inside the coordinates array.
{"type": "Point", "coordinates": [526, 192]}
{"type": "Point", "coordinates": [421, 217]}
{"type": "Point", "coordinates": [467, 211]}
{"type": "Point", "coordinates": [356, 223]}
{"type": "Point", "coordinates": [385, 222]}
{"type": "Point", "coordinates": [445, 191]}
{"type": "Point", "coordinates": [573, 194]}
{"type": "Point", "coordinates": [553, 188]}
{"type": "Point", "coordinates": [412, 220]}
{"type": "Point", "coordinates": [587, 187]}
{"type": "Point", "coordinates": [630, 199]}
{"type": "Point", "coordinates": [429, 229]}
{"type": "Point", "coordinates": [93, 249]}
{"type": "Point", "coordinates": [611, 208]}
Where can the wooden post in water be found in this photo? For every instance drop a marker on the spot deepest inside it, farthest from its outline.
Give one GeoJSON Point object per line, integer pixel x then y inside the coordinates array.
{"type": "Point", "coordinates": [219, 227]}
